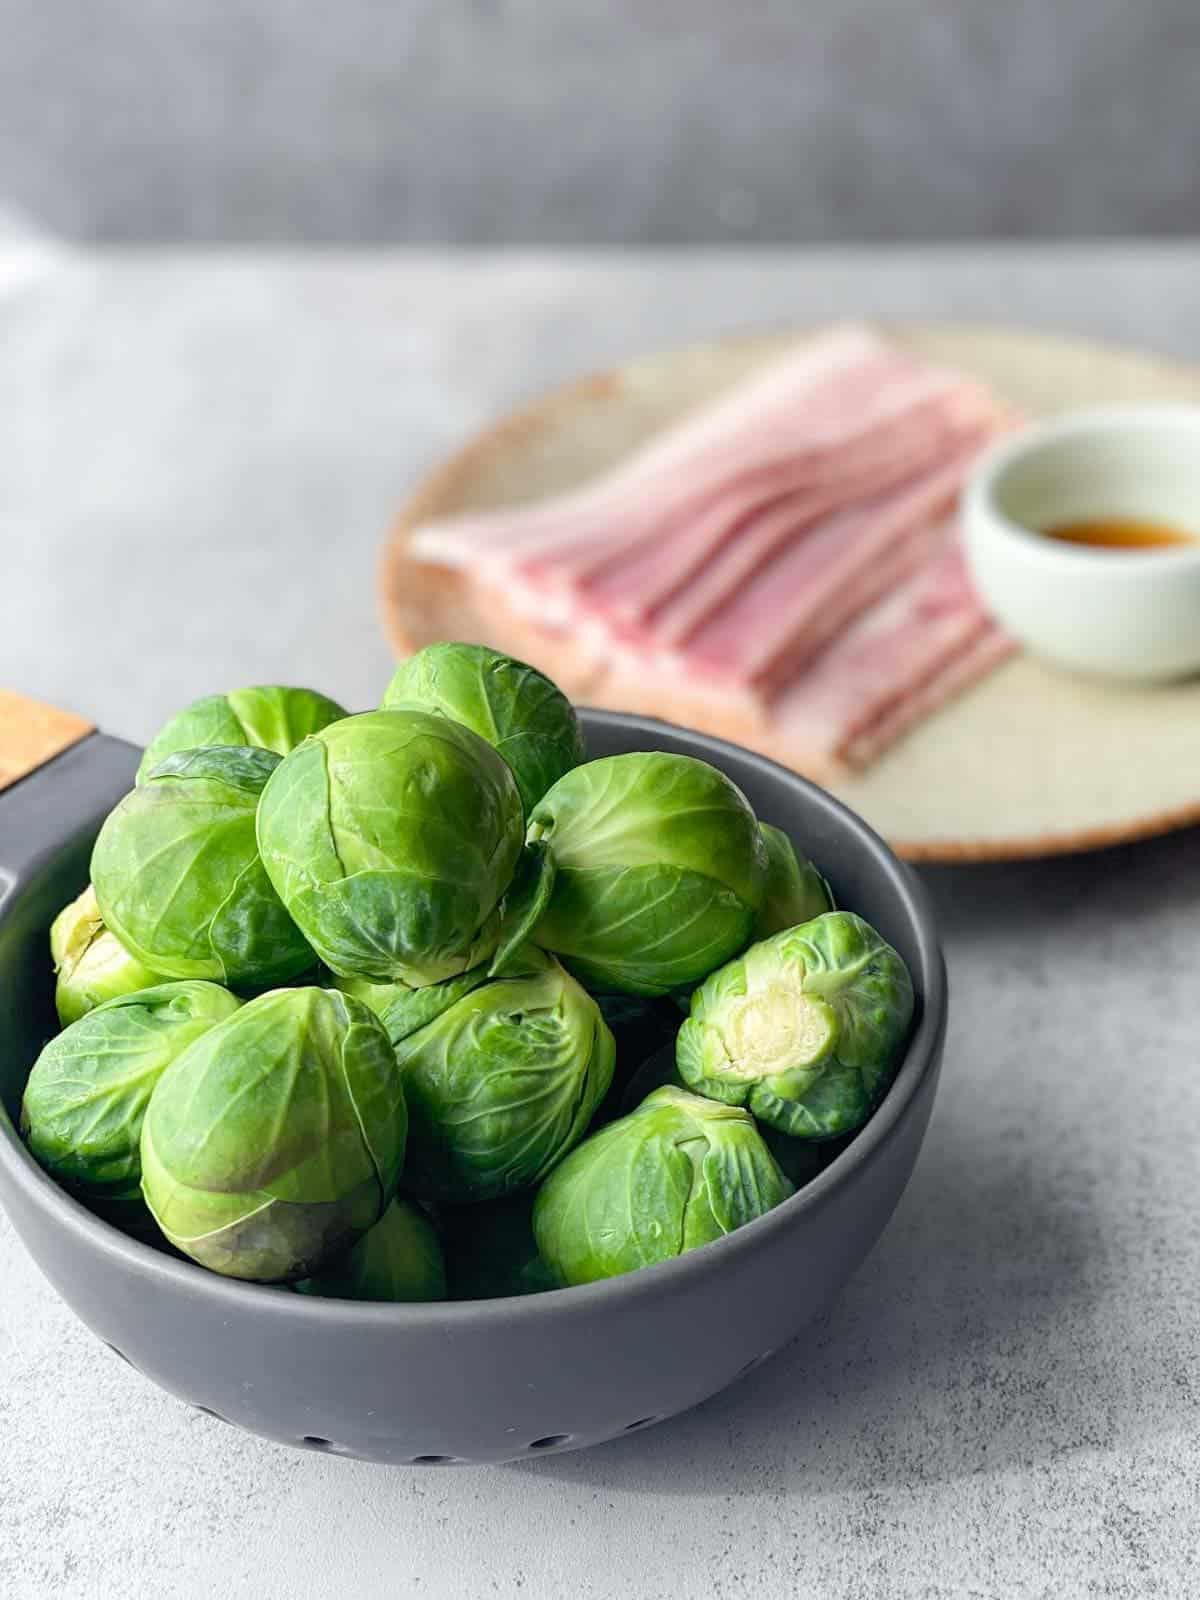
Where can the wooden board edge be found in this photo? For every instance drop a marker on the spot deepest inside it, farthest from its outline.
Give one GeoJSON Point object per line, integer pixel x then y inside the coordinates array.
{"type": "Point", "coordinates": [32, 733]}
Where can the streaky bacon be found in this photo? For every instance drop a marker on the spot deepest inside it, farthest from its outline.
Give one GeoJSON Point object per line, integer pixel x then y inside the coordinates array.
{"type": "Point", "coordinates": [849, 449]}
{"type": "Point", "coordinates": [691, 603]}
{"type": "Point", "coordinates": [986, 651]}
{"type": "Point", "coordinates": [735, 531]}
{"type": "Point", "coordinates": [889, 652]}
{"type": "Point", "coordinates": [718, 432]}
{"type": "Point", "coordinates": [792, 605]}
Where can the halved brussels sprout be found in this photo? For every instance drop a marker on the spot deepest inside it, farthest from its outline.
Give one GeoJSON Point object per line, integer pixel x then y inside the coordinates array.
{"type": "Point", "coordinates": [806, 1028]}
{"type": "Point", "coordinates": [391, 837]}
{"type": "Point", "coordinates": [678, 1172]}
{"type": "Point", "coordinates": [658, 870]}
{"type": "Point", "coordinates": [513, 706]}
{"type": "Point", "coordinates": [86, 1097]}
{"type": "Point", "coordinates": [490, 1250]}
{"type": "Point", "coordinates": [178, 878]}
{"type": "Point", "coordinates": [501, 1076]}
{"type": "Point", "coordinates": [276, 1141]}
{"type": "Point", "coordinates": [400, 1258]}
{"type": "Point", "coordinates": [266, 716]}
{"type": "Point", "coordinates": [91, 963]}
{"type": "Point", "coordinates": [795, 891]}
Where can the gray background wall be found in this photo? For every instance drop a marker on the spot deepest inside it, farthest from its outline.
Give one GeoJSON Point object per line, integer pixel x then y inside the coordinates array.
{"type": "Point", "coordinates": [580, 121]}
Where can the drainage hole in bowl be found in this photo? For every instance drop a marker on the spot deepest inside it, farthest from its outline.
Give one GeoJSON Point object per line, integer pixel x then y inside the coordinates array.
{"type": "Point", "coordinates": [314, 1441]}
{"type": "Point", "coordinates": [208, 1412]}
{"type": "Point", "coordinates": [549, 1442]}
{"type": "Point", "coordinates": [120, 1354]}
{"type": "Point", "coordinates": [756, 1362]}
{"type": "Point", "coordinates": [434, 1461]}
{"type": "Point", "coordinates": [642, 1422]}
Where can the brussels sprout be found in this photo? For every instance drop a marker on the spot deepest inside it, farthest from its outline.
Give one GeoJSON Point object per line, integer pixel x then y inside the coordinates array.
{"type": "Point", "coordinates": [92, 964]}
{"type": "Point", "coordinates": [806, 1028]}
{"type": "Point", "coordinates": [266, 716]}
{"type": "Point", "coordinates": [87, 1094]}
{"type": "Point", "coordinates": [276, 1141]}
{"type": "Point", "coordinates": [501, 1076]}
{"type": "Point", "coordinates": [400, 1258]}
{"type": "Point", "coordinates": [391, 837]}
{"type": "Point", "coordinates": [658, 870]}
{"type": "Point", "coordinates": [513, 706]}
{"type": "Point", "coordinates": [491, 1253]}
{"type": "Point", "coordinates": [795, 891]}
{"type": "Point", "coordinates": [678, 1172]}
{"type": "Point", "coordinates": [178, 878]}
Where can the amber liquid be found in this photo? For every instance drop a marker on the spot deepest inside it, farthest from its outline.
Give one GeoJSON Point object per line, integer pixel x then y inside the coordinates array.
{"type": "Point", "coordinates": [1121, 533]}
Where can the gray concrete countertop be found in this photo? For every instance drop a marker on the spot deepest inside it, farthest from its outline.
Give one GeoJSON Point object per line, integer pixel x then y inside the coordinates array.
{"type": "Point", "coordinates": [198, 458]}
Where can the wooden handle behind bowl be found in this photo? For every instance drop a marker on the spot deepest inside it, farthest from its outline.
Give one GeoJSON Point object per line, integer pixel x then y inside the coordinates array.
{"type": "Point", "coordinates": [32, 734]}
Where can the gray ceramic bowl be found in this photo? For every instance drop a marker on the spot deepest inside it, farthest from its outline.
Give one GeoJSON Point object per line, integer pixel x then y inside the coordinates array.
{"type": "Point", "coordinates": [486, 1380]}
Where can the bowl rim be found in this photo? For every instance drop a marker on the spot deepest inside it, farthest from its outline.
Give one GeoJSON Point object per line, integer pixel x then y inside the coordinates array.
{"type": "Point", "coordinates": [921, 1058]}
{"type": "Point", "coordinates": [985, 519]}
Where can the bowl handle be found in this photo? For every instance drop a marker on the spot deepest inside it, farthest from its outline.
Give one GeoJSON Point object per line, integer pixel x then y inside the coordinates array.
{"type": "Point", "coordinates": [58, 779]}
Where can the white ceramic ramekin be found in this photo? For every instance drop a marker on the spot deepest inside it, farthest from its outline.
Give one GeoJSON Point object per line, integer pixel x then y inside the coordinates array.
{"type": "Point", "coordinates": [1123, 613]}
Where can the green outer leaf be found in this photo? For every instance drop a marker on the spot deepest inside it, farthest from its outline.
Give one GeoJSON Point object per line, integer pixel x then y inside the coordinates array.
{"type": "Point", "coordinates": [643, 930]}
{"type": "Point", "coordinates": [517, 709]}
{"type": "Point", "coordinates": [88, 1091]}
{"type": "Point", "coordinates": [391, 837]}
{"type": "Point", "coordinates": [400, 1258]}
{"type": "Point", "coordinates": [836, 961]}
{"type": "Point", "coordinates": [74, 928]}
{"type": "Point", "coordinates": [403, 1010]}
{"type": "Point", "coordinates": [676, 1173]}
{"type": "Point", "coordinates": [258, 1238]}
{"type": "Point", "coordinates": [279, 718]}
{"type": "Point", "coordinates": [178, 877]}
{"type": "Point", "coordinates": [502, 1083]}
{"type": "Point", "coordinates": [278, 1139]}
{"type": "Point", "coordinates": [660, 871]}
{"type": "Point", "coordinates": [270, 716]}
{"type": "Point", "coordinates": [795, 891]}
{"type": "Point", "coordinates": [524, 905]}
{"type": "Point", "coordinates": [91, 963]}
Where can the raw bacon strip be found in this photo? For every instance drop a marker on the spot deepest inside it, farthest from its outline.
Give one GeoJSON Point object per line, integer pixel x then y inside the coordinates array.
{"type": "Point", "coordinates": [988, 650]}
{"type": "Point", "coordinates": [692, 603]}
{"type": "Point", "coordinates": [735, 421]}
{"type": "Point", "coordinates": [793, 605]}
{"type": "Point", "coordinates": [626, 589]}
{"type": "Point", "coordinates": [653, 552]}
{"type": "Point", "coordinates": [884, 656]}
{"type": "Point", "coordinates": [864, 419]}
{"type": "Point", "coordinates": [720, 432]}
{"type": "Point", "coordinates": [810, 436]}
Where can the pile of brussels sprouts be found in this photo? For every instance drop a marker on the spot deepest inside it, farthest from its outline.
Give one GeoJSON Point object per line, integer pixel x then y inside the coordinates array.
{"type": "Point", "coordinates": [390, 1006]}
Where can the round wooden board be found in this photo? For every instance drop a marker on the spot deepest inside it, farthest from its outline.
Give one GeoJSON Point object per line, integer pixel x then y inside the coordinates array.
{"type": "Point", "coordinates": [1030, 762]}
